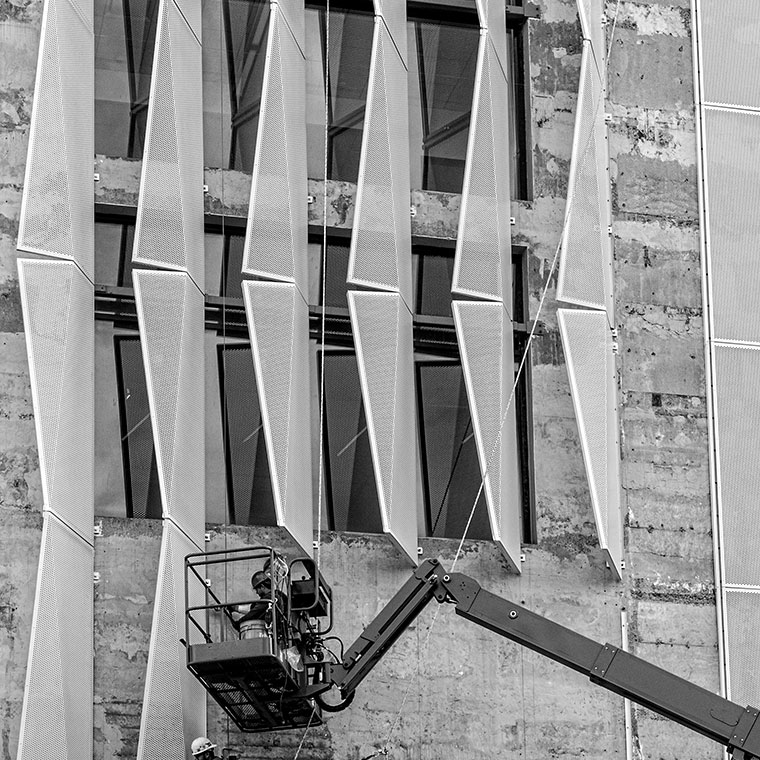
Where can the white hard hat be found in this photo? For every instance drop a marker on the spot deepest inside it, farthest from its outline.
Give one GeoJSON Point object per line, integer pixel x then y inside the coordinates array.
{"type": "Point", "coordinates": [201, 744]}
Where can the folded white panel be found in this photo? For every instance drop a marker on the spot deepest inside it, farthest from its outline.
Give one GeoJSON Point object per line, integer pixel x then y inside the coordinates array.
{"type": "Point", "coordinates": [591, 14]}
{"type": "Point", "coordinates": [492, 16]}
{"type": "Point", "coordinates": [587, 343]}
{"type": "Point", "coordinates": [742, 612]}
{"type": "Point", "coordinates": [393, 14]}
{"type": "Point", "coordinates": [484, 334]}
{"type": "Point", "coordinates": [191, 10]}
{"type": "Point", "coordinates": [56, 718]}
{"type": "Point", "coordinates": [483, 258]}
{"type": "Point", "coordinates": [169, 226]}
{"type": "Point", "coordinates": [737, 422]}
{"type": "Point", "coordinates": [293, 12]}
{"type": "Point", "coordinates": [382, 326]}
{"type": "Point", "coordinates": [57, 301]}
{"type": "Point", "coordinates": [170, 318]}
{"type": "Point", "coordinates": [174, 702]}
{"type": "Point", "coordinates": [277, 231]}
{"type": "Point", "coordinates": [381, 244]}
{"type": "Point", "coordinates": [585, 273]}
{"type": "Point", "coordinates": [278, 323]}
{"type": "Point", "coordinates": [57, 202]}
{"type": "Point", "coordinates": [730, 53]}
{"type": "Point", "coordinates": [732, 160]}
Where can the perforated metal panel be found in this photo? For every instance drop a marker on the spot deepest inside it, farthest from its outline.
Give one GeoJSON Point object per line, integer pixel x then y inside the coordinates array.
{"type": "Point", "coordinates": [382, 327]}
{"type": "Point", "coordinates": [170, 317]}
{"type": "Point", "coordinates": [174, 703]}
{"type": "Point", "coordinates": [58, 306]}
{"type": "Point", "coordinates": [381, 255]}
{"type": "Point", "coordinates": [484, 333]}
{"type": "Point", "coordinates": [492, 16]}
{"type": "Point", "coordinates": [737, 422]}
{"type": "Point", "coordinates": [57, 202]}
{"type": "Point", "coordinates": [276, 236]}
{"type": "Point", "coordinates": [56, 718]}
{"type": "Point", "coordinates": [278, 322]}
{"type": "Point", "coordinates": [591, 13]}
{"type": "Point", "coordinates": [191, 10]}
{"type": "Point", "coordinates": [742, 612]}
{"type": "Point", "coordinates": [587, 343]}
{"type": "Point", "coordinates": [169, 227]}
{"type": "Point", "coordinates": [293, 12]}
{"type": "Point", "coordinates": [585, 274]}
{"type": "Point", "coordinates": [732, 158]}
{"type": "Point", "coordinates": [393, 14]}
{"type": "Point", "coordinates": [483, 259]}
{"type": "Point", "coordinates": [731, 58]}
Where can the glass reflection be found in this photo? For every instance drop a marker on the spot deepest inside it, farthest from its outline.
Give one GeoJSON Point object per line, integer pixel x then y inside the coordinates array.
{"type": "Point", "coordinates": [125, 33]}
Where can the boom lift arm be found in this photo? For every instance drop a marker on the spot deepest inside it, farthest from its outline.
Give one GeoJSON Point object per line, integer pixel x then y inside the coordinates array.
{"type": "Point", "coordinates": [735, 727]}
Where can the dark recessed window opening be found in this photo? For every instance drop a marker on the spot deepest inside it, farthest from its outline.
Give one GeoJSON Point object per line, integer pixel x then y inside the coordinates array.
{"type": "Point", "coordinates": [143, 497]}
{"type": "Point", "coordinates": [352, 502]}
{"type": "Point", "coordinates": [249, 485]}
{"type": "Point", "coordinates": [125, 33]}
{"type": "Point", "coordinates": [113, 253]}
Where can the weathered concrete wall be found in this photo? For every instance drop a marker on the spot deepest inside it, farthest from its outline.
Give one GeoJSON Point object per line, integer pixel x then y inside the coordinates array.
{"type": "Point", "coordinates": [671, 591]}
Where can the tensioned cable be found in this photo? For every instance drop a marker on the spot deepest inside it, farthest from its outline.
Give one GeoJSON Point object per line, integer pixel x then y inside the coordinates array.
{"type": "Point", "coordinates": [322, 330]}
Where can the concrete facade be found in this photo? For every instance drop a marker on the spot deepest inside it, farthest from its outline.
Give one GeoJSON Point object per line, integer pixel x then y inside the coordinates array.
{"type": "Point", "coordinates": [462, 692]}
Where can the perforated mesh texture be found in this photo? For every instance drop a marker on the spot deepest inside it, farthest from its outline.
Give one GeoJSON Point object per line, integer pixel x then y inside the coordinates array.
{"type": "Point", "coordinates": [585, 265]}
{"type": "Point", "coordinates": [293, 11]}
{"type": "Point", "coordinates": [482, 264]}
{"type": "Point", "coordinates": [170, 316]}
{"type": "Point", "coordinates": [591, 13]}
{"type": "Point", "coordinates": [732, 147]}
{"type": "Point", "coordinates": [191, 10]}
{"type": "Point", "coordinates": [738, 431]}
{"type": "Point", "coordinates": [169, 228]}
{"type": "Point", "coordinates": [393, 14]}
{"type": "Point", "coordinates": [57, 208]}
{"type": "Point", "coordinates": [56, 718]}
{"type": "Point", "coordinates": [382, 327]}
{"type": "Point", "coordinates": [381, 243]}
{"type": "Point", "coordinates": [57, 302]}
{"type": "Point", "coordinates": [730, 54]}
{"type": "Point", "coordinates": [484, 333]}
{"type": "Point", "coordinates": [587, 344]}
{"type": "Point", "coordinates": [278, 322]}
{"type": "Point", "coordinates": [276, 238]}
{"type": "Point", "coordinates": [742, 614]}
{"type": "Point", "coordinates": [174, 703]}
{"type": "Point", "coordinates": [492, 16]}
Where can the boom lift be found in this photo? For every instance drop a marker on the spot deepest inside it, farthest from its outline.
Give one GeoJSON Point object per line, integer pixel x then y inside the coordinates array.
{"type": "Point", "coordinates": [263, 688]}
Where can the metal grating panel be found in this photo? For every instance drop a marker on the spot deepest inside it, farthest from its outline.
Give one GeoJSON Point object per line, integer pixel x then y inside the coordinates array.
{"type": "Point", "coordinates": [587, 343]}
{"type": "Point", "coordinates": [730, 54]}
{"type": "Point", "coordinates": [170, 317]}
{"type": "Point", "coordinates": [57, 202]}
{"type": "Point", "coordinates": [169, 227]}
{"type": "Point", "coordinates": [174, 703]}
{"type": "Point", "coordinates": [381, 252]}
{"type": "Point", "coordinates": [732, 153]}
{"type": "Point", "coordinates": [591, 13]}
{"type": "Point", "coordinates": [393, 14]}
{"type": "Point", "coordinates": [483, 259]}
{"type": "Point", "coordinates": [484, 334]}
{"type": "Point", "coordinates": [277, 233]}
{"type": "Point", "coordinates": [58, 302]}
{"type": "Point", "coordinates": [742, 614]}
{"type": "Point", "coordinates": [492, 16]}
{"type": "Point", "coordinates": [293, 12]}
{"type": "Point", "coordinates": [382, 327]}
{"type": "Point", "coordinates": [191, 10]}
{"type": "Point", "coordinates": [737, 421]}
{"type": "Point", "coordinates": [56, 718]}
{"type": "Point", "coordinates": [278, 322]}
{"type": "Point", "coordinates": [585, 273]}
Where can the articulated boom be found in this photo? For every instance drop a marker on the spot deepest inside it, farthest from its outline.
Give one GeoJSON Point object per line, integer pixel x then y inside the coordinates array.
{"type": "Point", "coordinates": [735, 727]}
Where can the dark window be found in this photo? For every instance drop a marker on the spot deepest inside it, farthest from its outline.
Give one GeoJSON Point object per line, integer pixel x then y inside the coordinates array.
{"type": "Point", "coordinates": [451, 473]}
{"type": "Point", "coordinates": [234, 53]}
{"type": "Point", "coordinates": [143, 497]}
{"type": "Point", "coordinates": [125, 32]}
{"type": "Point", "coordinates": [433, 273]}
{"type": "Point", "coordinates": [113, 253]}
{"type": "Point", "coordinates": [348, 76]}
{"type": "Point", "coordinates": [351, 492]}
{"type": "Point", "coordinates": [249, 486]}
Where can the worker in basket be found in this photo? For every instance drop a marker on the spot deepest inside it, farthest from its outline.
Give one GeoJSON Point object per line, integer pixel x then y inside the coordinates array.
{"type": "Point", "coordinates": [256, 622]}
{"type": "Point", "coordinates": [203, 749]}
